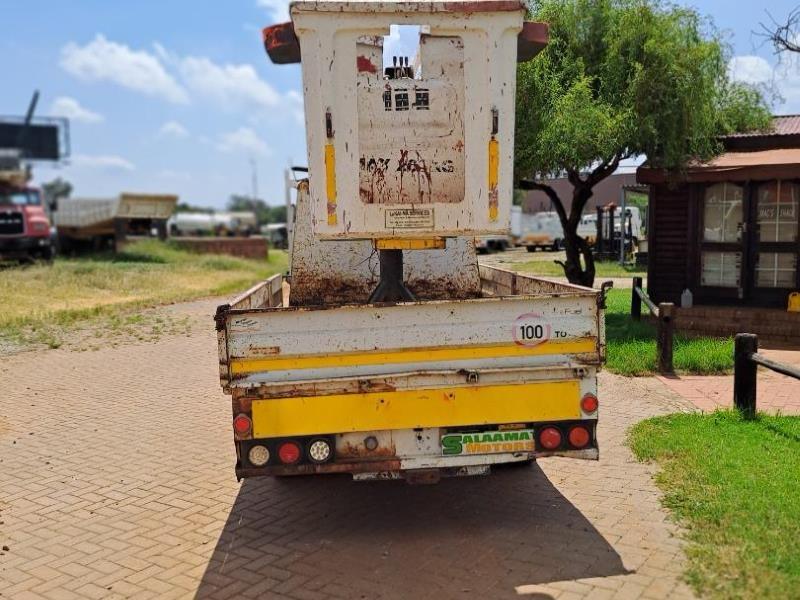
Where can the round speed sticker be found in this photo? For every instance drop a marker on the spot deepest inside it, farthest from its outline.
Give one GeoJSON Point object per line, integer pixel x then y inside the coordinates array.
{"type": "Point", "coordinates": [531, 330]}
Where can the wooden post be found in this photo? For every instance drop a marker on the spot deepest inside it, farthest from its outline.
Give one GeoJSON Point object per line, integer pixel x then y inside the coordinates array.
{"type": "Point", "coordinates": [745, 374]}
{"type": "Point", "coordinates": [636, 301]}
{"type": "Point", "coordinates": [665, 335]}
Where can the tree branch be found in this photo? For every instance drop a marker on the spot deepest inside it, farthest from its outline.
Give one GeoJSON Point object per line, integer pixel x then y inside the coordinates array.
{"type": "Point", "coordinates": [529, 184]}
{"type": "Point", "coordinates": [782, 35]}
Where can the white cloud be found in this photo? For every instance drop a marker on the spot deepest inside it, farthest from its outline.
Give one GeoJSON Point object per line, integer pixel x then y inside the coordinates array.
{"type": "Point", "coordinates": [70, 108]}
{"type": "Point", "coordinates": [243, 139]}
{"type": "Point", "coordinates": [295, 102]}
{"type": "Point", "coordinates": [138, 70]}
{"type": "Point", "coordinates": [783, 78]}
{"type": "Point", "coordinates": [750, 69]}
{"type": "Point", "coordinates": [102, 161]}
{"type": "Point", "coordinates": [278, 10]}
{"type": "Point", "coordinates": [173, 129]}
{"type": "Point", "coordinates": [229, 85]}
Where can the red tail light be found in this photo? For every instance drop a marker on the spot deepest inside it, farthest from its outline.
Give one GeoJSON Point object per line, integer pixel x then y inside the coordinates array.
{"type": "Point", "coordinates": [242, 424]}
{"type": "Point", "coordinates": [289, 453]}
{"type": "Point", "coordinates": [550, 438]}
{"type": "Point", "coordinates": [589, 403]}
{"type": "Point", "coordinates": [579, 437]}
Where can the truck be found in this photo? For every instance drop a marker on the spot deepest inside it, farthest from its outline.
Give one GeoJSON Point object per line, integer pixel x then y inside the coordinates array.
{"type": "Point", "coordinates": [110, 222]}
{"type": "Point", "coordinates": [542, 230]}
{"type": "Point", "coordinates": [387, 351]}
{"type": "Point", "coordinates": [504, 372]}
{"type": "Point", "coordinates": [25, 232]}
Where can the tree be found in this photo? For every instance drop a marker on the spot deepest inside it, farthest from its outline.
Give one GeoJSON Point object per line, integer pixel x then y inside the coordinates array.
{"type": "Point", "coordinates": [55, 190]}
{"type": "Point", "coordinates": [264, 212]}
{"type": "Point", "coordinates": [621, 78]}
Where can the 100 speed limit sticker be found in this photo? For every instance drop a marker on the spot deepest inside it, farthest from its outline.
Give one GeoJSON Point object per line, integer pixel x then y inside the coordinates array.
{"type": "Point", "coordinates": [531, 329]}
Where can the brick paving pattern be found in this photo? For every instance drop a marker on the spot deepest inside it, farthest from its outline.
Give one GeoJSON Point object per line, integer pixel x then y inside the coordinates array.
{"type": "Point", "coordinates": [116, 481]}
{"type": "Point", "coordinates": [776, 393]}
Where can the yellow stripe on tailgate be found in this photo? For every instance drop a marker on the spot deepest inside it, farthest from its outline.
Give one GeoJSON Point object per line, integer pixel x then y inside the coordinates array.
{"type": "Point", "coordinates": [407, 409]}
{"type": "Point", "coordinates": [348, 359]}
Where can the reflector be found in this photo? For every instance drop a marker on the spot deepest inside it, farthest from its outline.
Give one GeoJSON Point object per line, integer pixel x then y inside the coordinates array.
{"type": "Point", "coordinates": [242, 424]}
{"type": "Point", "coordinates": [589, 403]}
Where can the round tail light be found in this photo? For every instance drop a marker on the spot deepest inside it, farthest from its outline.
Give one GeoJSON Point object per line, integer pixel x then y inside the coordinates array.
{"type": "Point", "coordinates": [550, 438]}
{"type": "Point", "coordinates": [579, 437]}
{"type": "Point", "coordinates": [319, 451]}
{"type": "Point", "coordinates": [589, 403]}
{"type": "Point", "coordinates": [242, 424]}
{"type": "Point", "coordinates": [289, 453]}
{"type": "Point", "coordinates": [258, 456]}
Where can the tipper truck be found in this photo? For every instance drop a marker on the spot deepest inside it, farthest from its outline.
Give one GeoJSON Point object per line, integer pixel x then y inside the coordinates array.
{"type": "Point", "coordinates": [388, 352]}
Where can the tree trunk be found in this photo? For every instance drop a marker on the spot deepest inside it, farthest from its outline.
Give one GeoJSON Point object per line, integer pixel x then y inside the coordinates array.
{"type": "Point", "coordinates": [577, 271]}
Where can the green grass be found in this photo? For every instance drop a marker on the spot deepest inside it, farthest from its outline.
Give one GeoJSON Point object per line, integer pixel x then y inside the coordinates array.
{"type": "Point", "coordinates": [548, 268]}
{"type": "Point", "coordinates": [41, 301]}
{"type": "Point", "coordinates": [733, 484]}
{"type": "Point", "coordinates": [631, 345]}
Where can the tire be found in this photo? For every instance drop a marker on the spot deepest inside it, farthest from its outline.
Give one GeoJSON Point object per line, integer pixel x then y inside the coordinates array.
{"type": "Point", "coordinates": [556, 246]}
{"type": "Point", "coordinates": [530, 248]}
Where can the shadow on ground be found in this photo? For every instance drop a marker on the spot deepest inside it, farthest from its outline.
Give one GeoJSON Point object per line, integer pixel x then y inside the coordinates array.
{"type": "Point", "coordinates": [321, 537]}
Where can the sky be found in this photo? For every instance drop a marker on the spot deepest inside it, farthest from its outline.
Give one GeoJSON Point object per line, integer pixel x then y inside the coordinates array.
{"type": "Point", "coordinates": [180, 97]}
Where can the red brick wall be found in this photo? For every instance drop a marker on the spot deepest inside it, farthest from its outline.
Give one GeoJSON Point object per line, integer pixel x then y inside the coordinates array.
{"type": "Point", "coordinates": [249, 247]}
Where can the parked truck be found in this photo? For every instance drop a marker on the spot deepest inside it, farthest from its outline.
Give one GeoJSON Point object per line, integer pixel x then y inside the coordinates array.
{"type": "Point", "coordinates": [110, 222]}
{"type": "Point", "coordinates": [25, 232]}
{"type": "Point", "coordinates": [388, 352]}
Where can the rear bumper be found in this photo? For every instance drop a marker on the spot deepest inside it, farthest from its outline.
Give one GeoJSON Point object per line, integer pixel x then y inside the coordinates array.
{"type": "Point", "coordinates": [409, 468]}
{"type": "Point", "coordinates": [404, 454]}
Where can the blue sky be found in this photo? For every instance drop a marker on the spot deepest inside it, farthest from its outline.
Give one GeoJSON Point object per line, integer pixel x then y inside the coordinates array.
{"type": "Point", "coordinates": [180, 97]}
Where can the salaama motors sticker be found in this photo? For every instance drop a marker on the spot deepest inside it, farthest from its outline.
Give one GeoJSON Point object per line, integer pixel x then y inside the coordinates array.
{"type": "Point", "coordinates": [531, 329]}
{"type": "Point", "coordinates": [409, 218]}
{"type": "Point", "coordinates": [488, 442]}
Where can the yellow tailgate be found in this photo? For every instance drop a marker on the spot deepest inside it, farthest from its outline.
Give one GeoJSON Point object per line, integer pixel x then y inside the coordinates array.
{"type": "Point", "coordinates": [408, 409]}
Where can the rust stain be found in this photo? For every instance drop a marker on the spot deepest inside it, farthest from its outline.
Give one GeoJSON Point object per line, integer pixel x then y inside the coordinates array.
{"type": "Point", "coordinates": [359, 451]}
{"type": "Point", "coordinates": [364, 65]}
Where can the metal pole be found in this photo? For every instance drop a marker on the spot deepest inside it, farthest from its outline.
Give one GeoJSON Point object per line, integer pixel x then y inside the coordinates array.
{"type": "Point", "coordinates": [288, 183]}
{"type": "Point", "coordinates": [622, 226]}
{"type": "Point", "coordinates": [665, 337]}
{"type": "Point", "coordinates": [745, 374]}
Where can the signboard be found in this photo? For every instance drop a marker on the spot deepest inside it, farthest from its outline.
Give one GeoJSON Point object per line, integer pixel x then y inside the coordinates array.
{"type": "Point", "coordinates": [37, 141]}
{"type": "Point", "coordinates": [488, 442]}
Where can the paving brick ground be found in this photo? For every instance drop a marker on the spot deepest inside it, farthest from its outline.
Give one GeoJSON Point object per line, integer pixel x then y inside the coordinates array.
{"type": "Point", "coordinates": [116, 481]}
{"type": "Point", "coordinates": [776, 393]}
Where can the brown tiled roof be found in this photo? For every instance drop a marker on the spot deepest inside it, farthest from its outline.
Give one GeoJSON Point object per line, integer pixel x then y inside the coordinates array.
{"type": "Point", "coordinates": [781, 125]}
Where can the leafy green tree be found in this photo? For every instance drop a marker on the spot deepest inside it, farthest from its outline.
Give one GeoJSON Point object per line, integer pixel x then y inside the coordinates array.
{"type": "Point", "coordinates": [264, 212]}
{"type": "Point", "coordinates": [621, 78]}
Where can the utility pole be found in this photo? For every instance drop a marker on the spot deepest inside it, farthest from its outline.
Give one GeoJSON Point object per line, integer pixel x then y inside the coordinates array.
{"type": "Point", "coordinates": [254, 179]}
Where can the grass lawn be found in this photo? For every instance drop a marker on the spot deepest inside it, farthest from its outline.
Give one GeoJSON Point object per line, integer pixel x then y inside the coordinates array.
{"type": "Point", "coordinates": [39, 300]}
{"type": "Point", "coordinates": [631, 345]}
{"type": "Point", "coordinates": [603, 269]}
{"type": "Point", "coordinates": [733, 484]}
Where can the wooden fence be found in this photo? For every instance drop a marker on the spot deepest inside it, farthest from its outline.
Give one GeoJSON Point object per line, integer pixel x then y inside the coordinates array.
{"type": "Point", "coordinates": [746, 361]}
{"type": "Point", "coordinates": [664, 314]}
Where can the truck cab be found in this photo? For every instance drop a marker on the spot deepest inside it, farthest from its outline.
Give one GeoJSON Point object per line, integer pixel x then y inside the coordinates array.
{"type": "Point", "coordinates": [24, 226]}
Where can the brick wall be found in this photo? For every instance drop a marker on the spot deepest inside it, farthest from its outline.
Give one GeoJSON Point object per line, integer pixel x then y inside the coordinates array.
{"type": "Point", "coordinates": [249, 247]}
{"type": "Point", "coordinates": [771, 324]}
